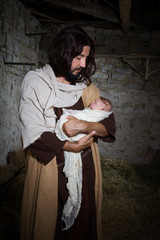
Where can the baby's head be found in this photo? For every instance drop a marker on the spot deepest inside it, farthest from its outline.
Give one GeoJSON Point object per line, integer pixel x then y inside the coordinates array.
{"type": "Point", "coordinates": [101, 103]}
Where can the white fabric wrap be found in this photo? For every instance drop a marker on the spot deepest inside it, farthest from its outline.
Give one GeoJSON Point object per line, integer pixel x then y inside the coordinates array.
{"type": "Point", "coordinates": [40, 93]}
{"type": "Point", "coordinates": [73, 162]}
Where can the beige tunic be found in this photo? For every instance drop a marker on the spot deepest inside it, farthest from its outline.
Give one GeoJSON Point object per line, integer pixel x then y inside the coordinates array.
{"type": "Point", "coordinates": [38, 217]}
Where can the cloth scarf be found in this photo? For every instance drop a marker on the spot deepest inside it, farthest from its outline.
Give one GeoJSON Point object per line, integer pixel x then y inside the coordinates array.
{"type": "Point", "coordinates": [40, 93]}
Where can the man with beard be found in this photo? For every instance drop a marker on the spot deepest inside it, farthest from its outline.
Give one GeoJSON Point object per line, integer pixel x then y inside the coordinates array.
{"type": "Point", "coordinates": [63, 83]}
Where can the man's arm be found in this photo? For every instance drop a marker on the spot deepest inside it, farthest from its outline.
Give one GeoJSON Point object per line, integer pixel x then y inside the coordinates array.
{"type": "Point", "coordinates": [75, 126]}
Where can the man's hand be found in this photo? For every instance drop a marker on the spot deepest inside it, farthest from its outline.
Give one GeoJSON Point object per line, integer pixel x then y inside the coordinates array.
{"type": "Point", "coordinates": [73, 126]}
{"type": "Point", "coordinates": [79, 145]}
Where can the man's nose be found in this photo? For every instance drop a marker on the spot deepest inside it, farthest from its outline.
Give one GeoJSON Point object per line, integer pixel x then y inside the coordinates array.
{"type": "Point", "coordinates": [83, 63]}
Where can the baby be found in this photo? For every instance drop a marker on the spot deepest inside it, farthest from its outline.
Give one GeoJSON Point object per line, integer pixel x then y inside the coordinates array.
{"type": "Point", "coordinates": [101, 103]}
{"type": "Point", "coordinates": [98, 110]}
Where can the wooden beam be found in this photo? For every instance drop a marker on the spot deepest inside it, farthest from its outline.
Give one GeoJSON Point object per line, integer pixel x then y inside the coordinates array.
{"type": "Point", "coordinates": [129, 63]}
{"type": "Point", "coordinates": [112, 6]}
{"type": "Point", "coordinates": [86, 23]}
{"type": "Point", "coordinates": [141, 27]}
{"type": "Point", "coordinates": [55, 20]}
{"type": "Point", "coordinates": [146, 69]}
{"type": "Point", "coordinates": [125, 7]}
{"type": "Point", "coordinates": [100, 12]}
{"type": "Point", "coordinates": [35, 34]}
{"type": "Point", "coordinates": [81, 23]}
{"type": "Point", "coordinates": [134, 55]}
{"type": "Point", "coordinates": [41, 14]}
{"type": "Point", "coordinates": [20, 63]}
{"type": "Point", "coordinates": [156, 70]}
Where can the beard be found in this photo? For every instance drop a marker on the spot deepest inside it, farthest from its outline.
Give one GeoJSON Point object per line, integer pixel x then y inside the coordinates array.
{"type": "Point", "coordinates": [74, 78]}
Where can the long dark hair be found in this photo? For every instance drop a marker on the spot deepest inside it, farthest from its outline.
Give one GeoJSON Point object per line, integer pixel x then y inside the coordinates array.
{"type": "Point", "coordinates": [68, 44]}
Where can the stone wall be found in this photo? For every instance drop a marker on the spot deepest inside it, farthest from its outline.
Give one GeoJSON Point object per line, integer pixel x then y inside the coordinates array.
{"type": "Point", "coordinates": [136, 101]}
{"type": "Point", "coordinates": [16, 48]}
{"type": "Point", "coordinates": [136, 105]}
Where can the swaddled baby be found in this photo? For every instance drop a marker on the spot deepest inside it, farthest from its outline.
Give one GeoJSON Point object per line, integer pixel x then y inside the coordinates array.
{"type": "Point", "coordinates": [98, 110]}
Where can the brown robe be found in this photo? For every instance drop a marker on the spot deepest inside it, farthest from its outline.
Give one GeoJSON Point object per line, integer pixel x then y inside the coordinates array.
{"type": "Point", "coordinates": [40, 199]}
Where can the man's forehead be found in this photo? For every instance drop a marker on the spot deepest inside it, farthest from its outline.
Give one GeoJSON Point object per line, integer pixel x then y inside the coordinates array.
{"type": "Point", "coordinates": [85, 52]}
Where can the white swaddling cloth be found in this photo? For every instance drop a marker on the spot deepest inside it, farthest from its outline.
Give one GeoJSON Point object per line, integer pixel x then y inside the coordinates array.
{"type": "Point", "coordinates": [73, 162]}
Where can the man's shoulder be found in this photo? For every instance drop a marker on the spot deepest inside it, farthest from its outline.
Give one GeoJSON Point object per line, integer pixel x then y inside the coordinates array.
{"type": "Point", "coordinates": [36, 78]}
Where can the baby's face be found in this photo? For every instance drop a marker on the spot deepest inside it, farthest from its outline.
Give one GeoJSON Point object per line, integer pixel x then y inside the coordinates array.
{"type": "Point", "coordinates": [97, 104]}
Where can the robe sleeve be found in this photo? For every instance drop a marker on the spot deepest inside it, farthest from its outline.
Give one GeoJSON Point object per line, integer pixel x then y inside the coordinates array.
{"type": "Point", "coordinates": [46, 147]}
{"type": "Point", "coordinates": [110, 125]}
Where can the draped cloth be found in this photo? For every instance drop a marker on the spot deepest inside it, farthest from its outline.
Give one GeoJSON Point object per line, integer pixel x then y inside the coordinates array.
{"type": "Point", "coordinates": [73, 162]}
{"type": "Point", "coordinates": [40, 93]}
{"type": "Point", "coordinates": [40, 198]}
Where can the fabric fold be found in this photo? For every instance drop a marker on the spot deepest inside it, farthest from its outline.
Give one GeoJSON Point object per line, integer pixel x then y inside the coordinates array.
{"type": "Point", "coordinates": [41, 92]}
{"type": "Point", "coordinates": [73, 162]}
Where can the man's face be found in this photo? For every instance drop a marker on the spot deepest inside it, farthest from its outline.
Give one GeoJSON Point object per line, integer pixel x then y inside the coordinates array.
{"type": "Point", "coordinates": [78, 64]}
